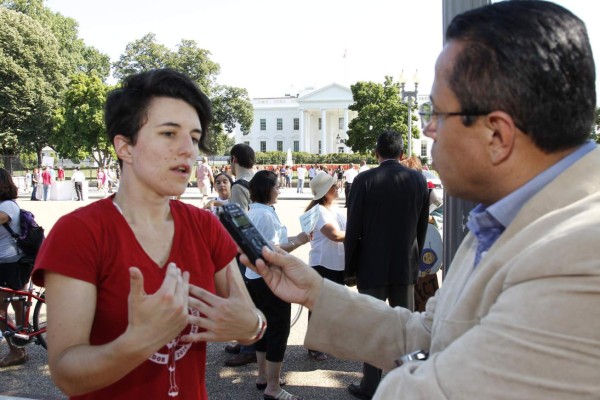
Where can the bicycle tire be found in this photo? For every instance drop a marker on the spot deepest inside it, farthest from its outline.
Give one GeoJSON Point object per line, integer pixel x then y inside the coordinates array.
{"type": "Point", "coordinates": [39, 321]}
{"type": "Point", "coordinates": [296, 316]}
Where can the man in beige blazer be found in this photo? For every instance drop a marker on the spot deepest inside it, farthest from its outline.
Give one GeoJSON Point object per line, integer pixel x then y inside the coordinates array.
{"type": "Point", "coordinates": [518, 316]}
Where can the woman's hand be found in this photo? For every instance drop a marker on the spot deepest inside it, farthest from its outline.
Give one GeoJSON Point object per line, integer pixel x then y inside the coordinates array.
{"type": "Point", "coordinates": [163, 314]}
{"type": "Point", "coordinates": [288, 277]}
{"type": "Point", "coordinates": [225, 318]}
{"type": "Point", "coordinates": [303, 238]}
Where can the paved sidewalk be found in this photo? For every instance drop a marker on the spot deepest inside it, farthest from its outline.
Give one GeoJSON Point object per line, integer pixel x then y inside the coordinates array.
{"type": "Point", "coordinates": [305, 377]}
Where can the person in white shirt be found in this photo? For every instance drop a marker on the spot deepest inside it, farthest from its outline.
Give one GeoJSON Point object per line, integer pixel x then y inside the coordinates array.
{"type": "Point", "coordinates": [301, 171]}
{"type": "Point", "coordinates": [270, 350]}
{"type": "Point", "coordinates": [363, 166]}
{"type": "Point", "coordinates": [78, 178]}
{"type": "Point", "coordinates": [349, 176]}
{"type": "Point", "coordinates": [311, 172]}
{"type": "Point", "coordinates": [204, 178]}
{"type": "Point", "coordinates": [327, 245]}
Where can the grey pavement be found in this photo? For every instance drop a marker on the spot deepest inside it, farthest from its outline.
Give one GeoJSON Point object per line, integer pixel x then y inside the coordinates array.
{"type": "Point", "coordinates": [305, 377]}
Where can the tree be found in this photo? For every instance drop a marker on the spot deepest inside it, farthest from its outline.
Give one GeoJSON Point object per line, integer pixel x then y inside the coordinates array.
{"type": "Point", "coordinates": [196, 63]}
{"type": "Point", "coordinates": [76, 55]}
{"type": "Point", "coordinates": [231, 105]}
{"type": "Point", "coordinates": [79, 126]}
{"type": "Point", "coordinates": [142, 55]}
{"type": "Point", "coordinates": [39, 49]}
{"type": "Point", "coordinates": [379, 108]}
{"type": "Point", "coordinates": [32, 77]}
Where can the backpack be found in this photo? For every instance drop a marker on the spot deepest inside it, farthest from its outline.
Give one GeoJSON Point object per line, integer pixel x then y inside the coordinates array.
{"type": "Point", "coordinates": [32, 235]}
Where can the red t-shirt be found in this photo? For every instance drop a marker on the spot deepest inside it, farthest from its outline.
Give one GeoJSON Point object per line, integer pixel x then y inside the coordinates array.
{"type": "Point", "coordinates": [46, 177]}
{"type": "Point", "coordinates": [100, 249]}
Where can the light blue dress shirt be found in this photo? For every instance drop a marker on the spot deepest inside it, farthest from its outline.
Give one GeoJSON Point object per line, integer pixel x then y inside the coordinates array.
{"type": "Point", "coordinates": [488, 223]}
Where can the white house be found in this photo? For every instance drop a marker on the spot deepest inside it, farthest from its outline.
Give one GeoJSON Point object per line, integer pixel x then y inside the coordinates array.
{"type": "Point", "coordinates": [314, 121]}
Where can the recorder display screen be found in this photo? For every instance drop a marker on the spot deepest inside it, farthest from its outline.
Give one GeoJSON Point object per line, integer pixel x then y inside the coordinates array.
{"type": "Point", "coordinates": [241, 221]}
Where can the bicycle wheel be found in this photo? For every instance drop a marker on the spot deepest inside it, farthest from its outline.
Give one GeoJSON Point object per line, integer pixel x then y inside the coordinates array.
{"type": "Point", "coordinates": [39, 321]}
{"type": "Point", "coordinates": [295, 315]}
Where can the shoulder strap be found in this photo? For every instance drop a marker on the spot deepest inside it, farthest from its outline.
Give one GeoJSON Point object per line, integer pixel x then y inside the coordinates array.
{"type": "Point", "coordinates": [9, 229]}
{"type": "Point", "coordinates": [242, 182]}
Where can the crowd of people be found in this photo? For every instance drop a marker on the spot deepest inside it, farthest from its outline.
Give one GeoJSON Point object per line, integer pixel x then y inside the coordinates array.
{"type": "Point", "coordinates": [515, 310]}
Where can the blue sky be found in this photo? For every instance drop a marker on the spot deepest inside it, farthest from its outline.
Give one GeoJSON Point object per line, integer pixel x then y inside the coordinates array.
{"type": "Point", "coordinates": [273, 47]}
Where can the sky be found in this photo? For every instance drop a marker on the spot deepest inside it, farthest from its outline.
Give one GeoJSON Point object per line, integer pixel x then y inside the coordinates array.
{"type": "Point", "coordinates": [277, 47]}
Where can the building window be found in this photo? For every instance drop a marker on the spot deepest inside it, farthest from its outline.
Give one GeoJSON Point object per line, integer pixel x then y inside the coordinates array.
{"type": "Point", "coordinates": [279, 124]}
{"type": "Point", "coordinates": [263, 145]}
{"type": "Point", "coordinates": [263, 124]}
{"type": "Point", "coordinates": [340, 123]}
{"type": "Point", "coordinates": [296, 145]}
{"type": "Point", "coordinates": [423, 148]}
{"type": "Point", "coordinates": [340, 149]}
{"type": "Point", "coordinates": [319, 143]}
{"type": "Point", "coordinates": [247, 143]}
{"type": "Point", "coordinates": [296, 124]}
{"type": "Point", "coordinates": [280, 145]}
{"type": "Point", "coordinates": [319, 123]}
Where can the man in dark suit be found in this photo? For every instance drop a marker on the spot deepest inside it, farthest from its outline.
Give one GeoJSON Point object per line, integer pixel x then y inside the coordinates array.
{"type": "Point", "coordinates": [387, 222]}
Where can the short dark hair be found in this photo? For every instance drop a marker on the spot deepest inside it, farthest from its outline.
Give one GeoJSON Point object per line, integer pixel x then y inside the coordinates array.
{"type": "Point", "coordinates": [261, 186]}
{"type": "Point", "coordinates": [389, 145]}
{"type": "Point", "coordinates": [8, 189]}
{"type": "Point", "coordinates": [244, 155]}
{"type": "Point", "coordinates": [126, 107]}
{"type": "Point", "coordinates": [532, 60]}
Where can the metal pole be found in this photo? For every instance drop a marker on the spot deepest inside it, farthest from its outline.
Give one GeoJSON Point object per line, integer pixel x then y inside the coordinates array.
{"type": "Point", "coordinates": [456, 210]}
{"type": "Point", "coordinates": [409, 126]}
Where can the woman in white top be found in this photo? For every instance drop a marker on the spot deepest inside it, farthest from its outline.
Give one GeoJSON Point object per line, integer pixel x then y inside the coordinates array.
{"type": "Point", "coordinates": [271, 348]}
{"type": "Point", "coordinates": [327, 246]}
{"type": "Point", "coordinates": [223, 183]}
{"type": "Point", "coordinates": [10, 269]}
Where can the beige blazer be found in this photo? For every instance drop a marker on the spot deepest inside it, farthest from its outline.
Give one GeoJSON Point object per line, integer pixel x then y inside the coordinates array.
{"type": "Point", "coordinates": [524, 324]}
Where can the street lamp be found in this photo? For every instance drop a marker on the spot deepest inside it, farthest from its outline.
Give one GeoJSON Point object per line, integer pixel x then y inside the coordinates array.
{"type": "Point", "coordinates": [407, 96]}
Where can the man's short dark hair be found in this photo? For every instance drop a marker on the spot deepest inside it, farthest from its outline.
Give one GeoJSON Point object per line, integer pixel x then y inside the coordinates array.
{"type": "Point", "coordinates": [261, 186]}
{"type": "Point", "coordinates": [532, 60]}
{"type": "Point", "coordinates": [389, 145]}
{"type": "Point", "coordinates": [244, 155]}
{"type": "Point", "coordinates": [126, 107]}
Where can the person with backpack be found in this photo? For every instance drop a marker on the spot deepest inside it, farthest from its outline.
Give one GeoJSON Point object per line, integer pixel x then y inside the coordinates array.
{"type": "Point", "coordinates": [242, 164]}
{"type": "Point", "coordinates": [242, 160]}
{"type": "Point", "coordinates": [11, 271]}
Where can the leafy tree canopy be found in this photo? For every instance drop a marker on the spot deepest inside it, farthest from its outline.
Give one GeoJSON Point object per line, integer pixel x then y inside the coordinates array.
{"type": "Point", "coordinates": [79, 126]}
{"type": "Point", "coordinates": [39, 49]}
{"type": "Point", "coordinates": [379, 108]}
{"type": "Point", "coordinates": [231, 105]}
{"type": "Point", "coordinates": [32, 77]}
{"type": "Point", "coordinates": [76, 55]}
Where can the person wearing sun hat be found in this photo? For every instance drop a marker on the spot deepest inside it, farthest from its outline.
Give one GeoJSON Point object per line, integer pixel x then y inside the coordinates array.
{"type": "Point", "coordinates": [327, 246]}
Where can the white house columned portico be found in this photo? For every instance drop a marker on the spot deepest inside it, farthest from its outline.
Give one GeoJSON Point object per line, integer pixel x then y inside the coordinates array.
{"type": "Point", "coordinates": [314, 121]}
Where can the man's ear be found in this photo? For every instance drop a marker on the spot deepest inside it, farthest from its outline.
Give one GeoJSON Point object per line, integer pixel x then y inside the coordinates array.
{"type": "Point", "coordinates": [122, 148]}
{"type": "Point", "coordinates": [502, 138]}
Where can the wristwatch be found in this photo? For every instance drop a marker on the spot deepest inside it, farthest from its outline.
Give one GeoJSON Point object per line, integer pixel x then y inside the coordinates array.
{"type": "Point", "coordinates": [418, 355]}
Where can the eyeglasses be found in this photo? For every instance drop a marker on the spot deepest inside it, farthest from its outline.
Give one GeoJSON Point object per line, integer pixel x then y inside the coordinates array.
{"type": "Point", "coordinates": [428, 115]}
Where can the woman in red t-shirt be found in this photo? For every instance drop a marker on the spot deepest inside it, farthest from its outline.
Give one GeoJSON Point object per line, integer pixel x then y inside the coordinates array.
{"type": "Point", "coordinates": [144, 281]}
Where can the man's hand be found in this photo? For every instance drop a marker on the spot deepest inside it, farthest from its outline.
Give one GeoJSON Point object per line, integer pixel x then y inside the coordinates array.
{"type": "Point", "coordinates": [288, 277]}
